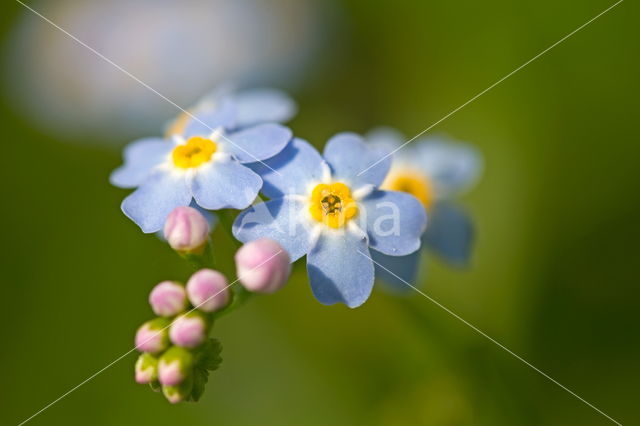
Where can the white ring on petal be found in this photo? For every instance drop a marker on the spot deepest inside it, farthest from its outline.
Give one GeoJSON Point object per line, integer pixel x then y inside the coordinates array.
{"type": "Point", "coordinates": [363, 191]}
{"type": "Point", "coordinates": [326, 172]}
{"type": "Point", "coordinates": [355, 229]}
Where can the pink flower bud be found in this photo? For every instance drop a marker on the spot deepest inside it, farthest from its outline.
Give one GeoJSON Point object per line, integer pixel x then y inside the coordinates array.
{"type": "Point", "coordinates": [168, 298]}
{"type": "Point", "coordinates": [153, 336]}
{"type": "Point", "coordinates": [186, 229]}
{"type": "Point", "coordinates": [188, 330]}
{"type": "Point", "coordinates": [207, 290]}
{"type": "Point", "coordinates": [146, 369]}
{"type": "Point", "coordinates": [263, 266]}
{"type": "Point", "coordinates": [174, 366]}
{"type": "Point", "coordinates": [181, 392]}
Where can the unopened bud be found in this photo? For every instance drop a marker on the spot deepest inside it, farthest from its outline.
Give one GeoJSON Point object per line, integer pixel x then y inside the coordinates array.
{"type": "Point", "coordinates": [186, 229]}
{"type": "Point", "coordinates": [168, 299]}
{"type": "Point", "coordinates": [207, 290]}
{"type": "Point", "coordinates": [178, 393]}
{"type": "Point", "coordinates": [263, 266]}
{"type": "Point", "coordinates": [189, 330]}
{"type": "Point", "coordinates": [174, 366]}
{"type": "Point", "coordinates": [146, 368]}
{"type": "Point", "coordinates": [153, 336]}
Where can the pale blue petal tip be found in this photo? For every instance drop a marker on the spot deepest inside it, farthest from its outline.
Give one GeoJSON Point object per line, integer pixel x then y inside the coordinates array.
{"type": "Point", "coordinates": [340, 270]}
{"type": "Point", "coordinates": [398, 272]}
{"type": "Point", "coordinates": [450, 234]}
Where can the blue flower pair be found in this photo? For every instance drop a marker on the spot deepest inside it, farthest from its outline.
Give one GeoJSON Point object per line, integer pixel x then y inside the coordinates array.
{"type": "Point", "coordinates": [204, 157]}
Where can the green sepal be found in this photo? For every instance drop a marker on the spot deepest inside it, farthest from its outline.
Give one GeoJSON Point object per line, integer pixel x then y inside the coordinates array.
{"type": "Point", "coordinates": [155, 386]}
{"type": "Point", "coordinates": [208, 360]}
{"type": "Point", "coordinates": [200, 259]}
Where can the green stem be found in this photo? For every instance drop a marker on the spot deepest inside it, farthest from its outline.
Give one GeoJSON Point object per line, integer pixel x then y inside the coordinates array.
{"type": "Point", "coordinates": [227, 218]}
{"type": "Point", "coordinates": [239, 296]}
{"type": "Point", "coordinates": [198, 261]}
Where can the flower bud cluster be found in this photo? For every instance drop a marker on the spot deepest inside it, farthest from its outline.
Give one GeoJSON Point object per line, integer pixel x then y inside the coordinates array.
{"type": "Point", "coordinates": [175, 348]}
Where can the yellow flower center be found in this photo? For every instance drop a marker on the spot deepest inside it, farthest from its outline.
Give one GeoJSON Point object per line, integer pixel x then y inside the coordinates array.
{"type": "Point", "coordinates": [195, 152]}
{"type": "Point", "coordinates": [411, 182]}
{"type": "Point", "coordinates": [332, 204]}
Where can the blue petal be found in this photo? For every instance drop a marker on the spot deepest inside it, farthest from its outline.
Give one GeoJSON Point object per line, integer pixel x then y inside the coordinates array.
{"type": "Point", "coordinates": [355, 163]}
{"type": "Point", "coordinates": [256, 143]}
{"type": "Point", "coordinates": [452, 166]}
{"type": "Point", "coordinates": [225, 185]}
{"type": "Point", "coordinates": [140, 157]}
{"type": "Point", "coordinates": [263, 105]}
{"type": "Point", "coordinates": [385, 138]}
{"type": "Point", "coordinates": [204, 121]}
{"type": "Point", "coordinates": [150, 204]}
{"type": "Point", "coordinates": [450, 234]}
{"type": "Point", "coordinates": [397, 271]}
{"type": "Point", "coordinates": [293, 171]}
{"type": "Point", "coordinates": [340, 269]}
{"type": "Point", "coordinates": [395, 222]}
{"type": "Point", "coordinates": [281, 220]}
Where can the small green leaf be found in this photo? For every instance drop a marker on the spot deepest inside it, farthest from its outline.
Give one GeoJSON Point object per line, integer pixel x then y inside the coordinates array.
{"type": "Point", "coordinates": [208, 360]}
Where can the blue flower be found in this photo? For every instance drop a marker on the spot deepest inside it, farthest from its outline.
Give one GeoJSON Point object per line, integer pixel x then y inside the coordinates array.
{"type": "Point", "coordinates": [434, 170]}
{"type": "Point", "coordinates": [252, 107]}
{"type": "Point", "coordinates": [328, 209]}
{"type": "Point", "coordinates": [204, 158]}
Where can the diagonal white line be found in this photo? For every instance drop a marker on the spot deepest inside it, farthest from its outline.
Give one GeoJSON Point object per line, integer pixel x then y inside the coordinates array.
{"type": "Point", "coordinates": [91, 377]}
{"type": "Point", "coordinates": [493, 85]}
{"type": "Point", "coordinates": [476, 329]}
{"type": "Point", "coordinates": [101, 56]}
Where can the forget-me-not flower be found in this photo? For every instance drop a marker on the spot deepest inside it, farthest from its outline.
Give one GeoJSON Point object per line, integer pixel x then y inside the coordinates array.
{"type": "Point", "coordinates": [205, 160]}
{"type": "Point", "coordinates": [329, 210]}
{"type": "Point", "coordinates": [434, 170]}
{"type": "Point", "coordinates": [252, 107]}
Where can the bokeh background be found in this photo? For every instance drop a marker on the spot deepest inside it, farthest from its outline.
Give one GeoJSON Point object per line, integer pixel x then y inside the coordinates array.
{"type": "Point", "coordinates": [554, 275]}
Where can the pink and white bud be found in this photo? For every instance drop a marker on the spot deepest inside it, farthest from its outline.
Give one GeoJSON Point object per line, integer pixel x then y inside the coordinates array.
{"type": "Point", "coordinates": [186, 229]}
{"type": "Point", "coordinates": [179, 393]}
{"type": "Point", "coordinates": [207, 290]}
{"type": "Point", "coordinates": [263, 266]}
{"type": "Point", "coordinates": [168, 299]}
{"type": "Point", "coordinates": [188, 330]}
{"type": "Point", "coordinates": [153, 336]}
{"type": "Point", "coordinates": [146, 369]}
{"type": "Point", "coordinates": [174, 366]}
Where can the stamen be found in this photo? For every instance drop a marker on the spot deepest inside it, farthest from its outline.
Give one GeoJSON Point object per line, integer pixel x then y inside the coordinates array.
{"type": "Point", "coordinates": [332, 204]}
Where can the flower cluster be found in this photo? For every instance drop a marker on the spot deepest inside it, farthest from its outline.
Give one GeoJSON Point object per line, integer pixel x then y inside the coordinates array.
{"type": "Point", "coordinates": [357, 211]}
{"type": "Point", "coordinates": [176, 353]}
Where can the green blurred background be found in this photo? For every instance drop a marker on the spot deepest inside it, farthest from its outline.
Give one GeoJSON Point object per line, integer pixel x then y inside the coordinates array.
{"type": "Point", "coordinates": [554, 273]}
